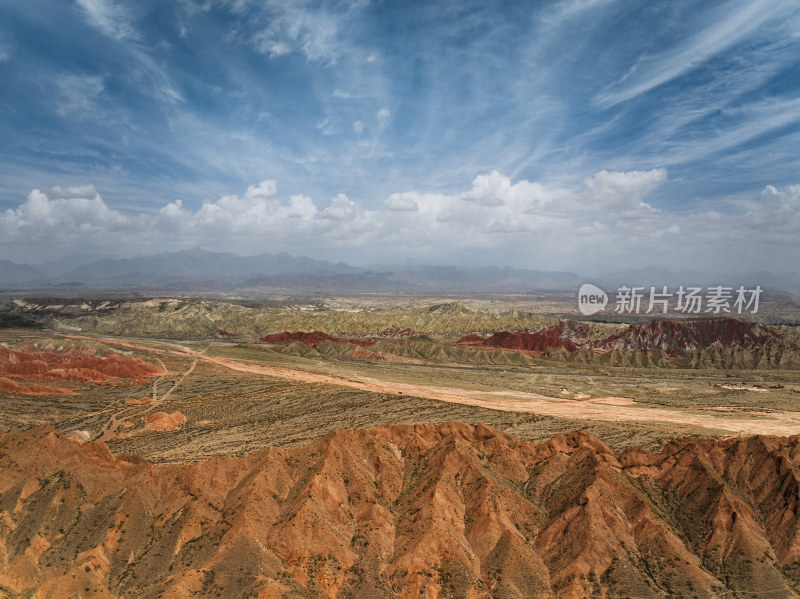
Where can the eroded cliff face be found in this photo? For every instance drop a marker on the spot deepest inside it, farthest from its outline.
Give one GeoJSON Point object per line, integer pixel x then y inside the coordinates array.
{"type": "Point", "coordinates": [403, 511]}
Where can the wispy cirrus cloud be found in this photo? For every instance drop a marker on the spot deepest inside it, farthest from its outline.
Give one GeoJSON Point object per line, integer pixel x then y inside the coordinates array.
{"type": "Point", "coordinates": [77, 92]}
{"type": "Point", "coordinates": [729, 24]}
{"type": "Point", "coordinates": [110, 17]}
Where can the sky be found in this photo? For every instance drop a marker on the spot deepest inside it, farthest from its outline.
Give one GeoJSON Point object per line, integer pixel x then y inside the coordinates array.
{"type": "Point", "coordinates": [588, 135]}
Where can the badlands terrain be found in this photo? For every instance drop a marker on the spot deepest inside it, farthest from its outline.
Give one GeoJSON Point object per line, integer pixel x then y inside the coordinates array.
{"type": "Point", "coordinates": [394, 447]}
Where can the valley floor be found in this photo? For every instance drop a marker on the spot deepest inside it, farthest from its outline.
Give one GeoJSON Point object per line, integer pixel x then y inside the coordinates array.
{"type": "Point", "coordinates": [231, 397]}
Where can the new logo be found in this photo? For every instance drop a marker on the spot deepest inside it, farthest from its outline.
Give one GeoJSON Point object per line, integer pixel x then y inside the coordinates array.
{"type": "Point", "coordinates": [591, 299]}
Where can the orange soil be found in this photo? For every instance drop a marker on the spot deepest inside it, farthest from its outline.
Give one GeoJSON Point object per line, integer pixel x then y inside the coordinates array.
{"type": "Point", "coordinates": [161, 421]}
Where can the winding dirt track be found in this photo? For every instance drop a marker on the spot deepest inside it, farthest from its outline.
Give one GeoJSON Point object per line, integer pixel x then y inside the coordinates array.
{"type": "Point", "coordinates": [613, 409]}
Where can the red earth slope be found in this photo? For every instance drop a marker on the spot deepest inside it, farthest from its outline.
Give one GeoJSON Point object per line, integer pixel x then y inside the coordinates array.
{"type": "Point", "coordinates": [404, 511]}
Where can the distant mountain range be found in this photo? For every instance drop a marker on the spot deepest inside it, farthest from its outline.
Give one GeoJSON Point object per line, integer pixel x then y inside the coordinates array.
{"type": "Point", "coordinates": [199, 269]}
{"type": "Point", "coordinates": [196, 270]}
{"type": "Point", "coordinates": [13, 274]}
{"type": "Point", "coordinates": [199, 266]}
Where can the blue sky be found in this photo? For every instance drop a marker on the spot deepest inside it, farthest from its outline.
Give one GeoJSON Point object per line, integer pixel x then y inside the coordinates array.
{"type": "Point", "coordinates": [576, 134]}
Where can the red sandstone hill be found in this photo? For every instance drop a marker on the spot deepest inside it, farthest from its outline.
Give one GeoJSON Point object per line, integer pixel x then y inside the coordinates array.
{"type": "Point", "coordinates": [307, 338]}
{"type": "Point", "coordinates": [81, 365]}
{"type": "Point", "coordinates": [452, 510]}
{"type": "Point", "coordinates": [566, 334]}
{"type": "Point", "coordinates": [674, 337]}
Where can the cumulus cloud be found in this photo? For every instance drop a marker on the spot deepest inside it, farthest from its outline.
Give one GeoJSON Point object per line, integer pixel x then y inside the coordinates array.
{"type": "Point", "coordinates": [358, 127]}
{"type": "Point", "coordinates": [71, 214]}
{"type": "Point", "coordinates": [624, 190]}
{"type": "Point", "coordinates": [502, 221]}
{"type": "Point", "coordinates": [341, 208]}
{"type": "Point", "coordinates": [265, 189]}
{"type": "Point", "coordinates": [778, 211]}
{"type": "Point", "coordinates": [492, 204]}
{"type": "Point", "coordinates": [785, 202]}
{"type": "Point", "coordinates": [401, 202]}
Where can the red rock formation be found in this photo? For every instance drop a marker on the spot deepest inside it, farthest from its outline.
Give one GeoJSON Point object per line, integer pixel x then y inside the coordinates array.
{"type": "Point", "coordinates": [10, 386]}
{"type": "Point", "coordinates": [29, 363]}
{"type": "Point", "coordinates": [566, 334]}
{"type": "Point", "coordinates": [472, 340]}
{"type": "Point", "coordinates": [161, 421]}
{"type": "Point", "coordinates": [404, 511]}
{"type": "Point", "coordinates": [681, 337]}
{"type": "Point", "coordinates": [310, 339]}
{"type": "Point", "coordinates": [674, 337]}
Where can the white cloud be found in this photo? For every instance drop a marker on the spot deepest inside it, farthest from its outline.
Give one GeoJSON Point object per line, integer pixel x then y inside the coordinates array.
{"type": "Point", "coordinates": [341, 208]}
{"type": "Point", "coordinates": [778, 211]}
{"type": "Point", "coordinates": [623, 190]}
{"type": "Point", "coordinates": [75, 191]}
{"type": "Point", "coordinates": [7, 50]}
{"type": "Point", "coordinates": [266, 44]}
{"type": "Point", "coordinates": [77, 92]}
{"type": "Point", "coordinates": [358, 127]}
{"type": "Point", "coordinates": [401, 202]}
{"type": "Point", "coordinates": [171, 217]}
{"type": "Point", "coordinates": [502, 221]}
{"type": "Point", "coordinates": [383, 116]}
{"type": "Point", "coordinates": [110, 18]}
{"type": "Point", "coordinates": [734, 21]}
{"type": "Point", "coordinates": [115, 19]}
{"type": "Point", "coordinates": [290, 26]}
{"type": "Point", "coordinates": [72, 214]}
{"type": "Point", "coordinates": [265, 189]}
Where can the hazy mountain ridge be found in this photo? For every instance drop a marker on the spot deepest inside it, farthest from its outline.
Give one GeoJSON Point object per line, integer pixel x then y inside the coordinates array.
{"type": "Point", "coordinates": [199, 265]}
{"type": "Point", "coordinates": [199, 269]}
{"type": "Point", "coordinates": [12, 273]}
